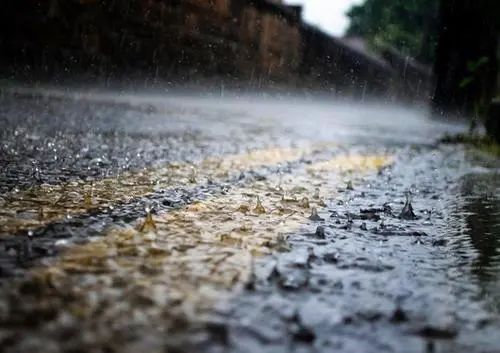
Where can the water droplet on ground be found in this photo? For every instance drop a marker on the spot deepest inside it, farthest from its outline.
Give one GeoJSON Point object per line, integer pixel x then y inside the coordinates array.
{"type": "Point", "coordinates": [315, 216]}
{"type": "Point", "coordinates": [407, 211]}
{"type": "Point", "coordinates": [259, 208]}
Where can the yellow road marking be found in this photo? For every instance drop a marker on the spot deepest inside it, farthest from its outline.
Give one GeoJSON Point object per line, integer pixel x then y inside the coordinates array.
{"type": "Point", "coordinates": [355, 163]}
{"type": "Point", "coordinates": [193, 256]}
{"type": "Point", "coordinates": [45, 204]}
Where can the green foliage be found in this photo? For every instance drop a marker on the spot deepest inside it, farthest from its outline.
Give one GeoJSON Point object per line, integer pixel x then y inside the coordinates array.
{"type": "Point", "coordinates": [408, 25]}
{"type": "Point", "coordinates": [479, 142]}
{"type": "Point", "coordinates": [474, 74]}
{"type": "Point", "coordinates": [473, 68]}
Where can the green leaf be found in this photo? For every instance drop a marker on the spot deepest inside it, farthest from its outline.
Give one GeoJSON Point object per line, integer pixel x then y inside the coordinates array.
{"type": "Point", "coordinates": [466, 81]}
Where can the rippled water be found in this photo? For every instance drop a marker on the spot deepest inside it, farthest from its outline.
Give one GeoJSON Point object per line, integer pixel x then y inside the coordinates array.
{"type": "Point", "coordinates": [479, 210]}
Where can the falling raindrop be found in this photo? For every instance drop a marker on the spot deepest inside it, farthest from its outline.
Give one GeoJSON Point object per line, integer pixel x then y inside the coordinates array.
{"type": "Point", "coordinates": [280, 181]}
{"type": "Point", "coordinates": [192, 176]}
{"type": "Point", "coordinates": [37, 175]}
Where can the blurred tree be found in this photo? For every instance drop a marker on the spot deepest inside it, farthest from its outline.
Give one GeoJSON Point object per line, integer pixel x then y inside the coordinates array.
{"type": "Point", "coordinates": [466, 56]}
{"type": "Point", "coordinates": [407, 25]}
{"type": "Point", "coordinates": [460, 37]}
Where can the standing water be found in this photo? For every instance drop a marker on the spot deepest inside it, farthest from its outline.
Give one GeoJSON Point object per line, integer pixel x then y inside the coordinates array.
{"type": "Point", "coordinates": [273, 225]}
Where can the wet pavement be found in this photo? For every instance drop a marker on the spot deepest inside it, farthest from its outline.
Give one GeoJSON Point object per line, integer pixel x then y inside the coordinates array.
{"type": "Point", "coordinates": [242, 224]}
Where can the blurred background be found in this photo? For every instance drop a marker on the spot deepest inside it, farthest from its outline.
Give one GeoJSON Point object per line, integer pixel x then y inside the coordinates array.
{"type": "Point", "coordinates": [306, 164]}
{"type": "Point", "coordinates": [412, 50]}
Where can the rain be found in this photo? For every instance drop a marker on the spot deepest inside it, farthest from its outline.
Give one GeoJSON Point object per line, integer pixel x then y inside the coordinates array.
{"type": "Point", "coordinates": [249, 176]}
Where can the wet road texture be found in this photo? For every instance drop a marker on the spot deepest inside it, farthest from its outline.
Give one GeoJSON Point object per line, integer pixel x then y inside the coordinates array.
{"type": "Point", "coordinates": [175, 223]}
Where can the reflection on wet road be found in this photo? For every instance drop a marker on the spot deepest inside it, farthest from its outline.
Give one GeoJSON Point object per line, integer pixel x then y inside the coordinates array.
{"type": "Point", "coordinates": [480, 207]}
{"type": "Point", "coordinates": [141, 222]}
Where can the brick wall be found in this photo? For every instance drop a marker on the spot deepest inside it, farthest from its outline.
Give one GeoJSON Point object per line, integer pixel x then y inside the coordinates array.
{"type": "Point", "coordinates": [252, 41]}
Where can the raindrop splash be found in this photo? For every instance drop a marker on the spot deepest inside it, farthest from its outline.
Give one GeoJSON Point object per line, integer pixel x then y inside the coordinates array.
{"type": "Point", "coordinates": [149, 224]}
{"type": "Point", "coordinates": [315, 216]}
{"type": "Point", "coordinates": [407, 211]}
{"type": "Point", "coordinates": [259, 208]}
{"type": "Point", "coordinates": [192, 176]}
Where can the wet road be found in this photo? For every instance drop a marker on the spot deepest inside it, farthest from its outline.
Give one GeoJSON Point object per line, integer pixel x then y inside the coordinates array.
{"type": "Point", "coordinates": [241, 224]}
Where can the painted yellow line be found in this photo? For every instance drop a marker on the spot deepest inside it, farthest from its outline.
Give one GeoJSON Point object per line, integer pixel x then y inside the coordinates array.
{"type": "Point", "coordinates": [352, 163]}
{"type": "Point", "coordinates": [176, 265]}
{"type": "Point", "coordinates": [45, 204]}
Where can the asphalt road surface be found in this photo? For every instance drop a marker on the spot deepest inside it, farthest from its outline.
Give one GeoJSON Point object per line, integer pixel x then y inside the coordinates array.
{"type": "Point", "coordinates": [173, 223]}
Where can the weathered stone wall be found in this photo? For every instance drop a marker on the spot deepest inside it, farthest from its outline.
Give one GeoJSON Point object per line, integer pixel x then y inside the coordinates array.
{"type": "Point", "coordinates": [251, 41]}
{"type": "Point", "coordinates": [171, 38]}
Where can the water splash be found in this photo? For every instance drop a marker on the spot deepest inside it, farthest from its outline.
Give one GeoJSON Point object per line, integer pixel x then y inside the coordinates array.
{"type": "Point", "coordinates": [192, 176]}
{"type": "Point", "coordinates": [304, 203]}
{"type": "Point", "coordinates": [259, 208]}
{"type": "Point", "coordinates": [315, 216]}
{"type": "Point", "coordinates": [88, 196]}
{"type": "Point", "coordinates": [243, 209]}
{"type": "Point", "coordinates": [149, 224]}
{"type": "Point", "coordinates": [407, 211]}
